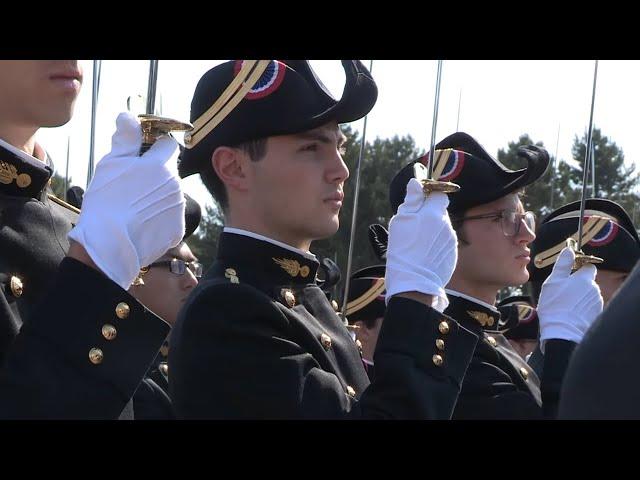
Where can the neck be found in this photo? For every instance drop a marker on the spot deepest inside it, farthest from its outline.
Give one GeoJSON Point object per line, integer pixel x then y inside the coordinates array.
{"type": "Point", "coordinates": [23, 138]}
{"type": "Point", "coordinates": [261, 228]}
{"type": "Point", "coordinates": [483, 292]}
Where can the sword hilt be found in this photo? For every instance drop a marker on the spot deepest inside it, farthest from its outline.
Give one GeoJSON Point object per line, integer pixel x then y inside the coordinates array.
{"type": "Point", "coordinates": [581, 258]}
{"type": "Point", "coordinates": [430, 185]}
{"type": "Point", "coordinates": [153, 127]}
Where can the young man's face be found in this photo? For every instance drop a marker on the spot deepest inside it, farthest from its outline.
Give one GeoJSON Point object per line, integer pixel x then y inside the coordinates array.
{"type": "Point", "coordinates": [297, 187]}
{"type": "Point", "coordinates": [609, 282]}
{"type": "Point", "coordinates": [493, 259]}
{"type": "Point", "coordinates": [38, 93]}
{"type": "Point", "coordinates": [164, 292]}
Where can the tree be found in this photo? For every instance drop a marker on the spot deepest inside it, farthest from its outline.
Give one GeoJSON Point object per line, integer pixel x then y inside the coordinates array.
{"type": "Point", "coordinates": [614, 180]}
{"type": "Point", "coordinates": [537, 196]}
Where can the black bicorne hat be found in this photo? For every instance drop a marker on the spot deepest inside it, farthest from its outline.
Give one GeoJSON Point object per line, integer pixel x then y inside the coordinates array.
{"type": "Point", "coordinates": [244, 100]}
{"type": "Point", "coordinates": [607, 232]}
{"type": "Point", "coordinates": [519, 318]}
{"type": "Point", "coordinates": [192, 211]}
{"type": "Point", "coordinates": [459, 158]}
{"type": "Point", "coordinates": [192, 216]}
{"type": "Point", "coordinates": [366, 294]}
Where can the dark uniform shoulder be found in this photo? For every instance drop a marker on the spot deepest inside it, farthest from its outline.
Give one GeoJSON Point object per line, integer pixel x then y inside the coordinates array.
{"type": "Point", "coordinates": [62, 203]}
{"type": "Point", "coordinates": [220, 297]}
{"type": "Point", "coordinates": [64, 209]}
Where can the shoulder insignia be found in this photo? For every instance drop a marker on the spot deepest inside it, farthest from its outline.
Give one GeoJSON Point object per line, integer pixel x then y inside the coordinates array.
{"type": "Point", "coordinates": [292, 267]}
{"type": "Point", "coordinates": [230, 273]}
{"type": "Point", "coordinates": [482, 318]}
{"type": "Point", "coordinates": [9, 173]}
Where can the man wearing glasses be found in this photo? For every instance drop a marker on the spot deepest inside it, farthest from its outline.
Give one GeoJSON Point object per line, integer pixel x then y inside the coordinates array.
{"type": "Point", "coordinates": [163, 287]}
{"type": "Point", "coordinates": [493, 233]}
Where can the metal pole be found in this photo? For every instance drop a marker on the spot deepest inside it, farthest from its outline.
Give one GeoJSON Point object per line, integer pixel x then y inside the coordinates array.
{"type": "Point", "coordinates": [586, 160]}
{"type": "Point", "coordinates": [151, 88]}
{"type": "Point", "coordinates": [434, 123]}
{"type": "Point", "coordinates": [459, 102]}
{"type": "Point", "coordinates": [593, 171]}
{"type": "Point", "coordinates": [554, 169]}
{"type": "Point", "coordinates": [66, 173]}
{"type": "Point", "coordinates": [352, 234]}
{"type": "Point", "coordinates": [97, 64]}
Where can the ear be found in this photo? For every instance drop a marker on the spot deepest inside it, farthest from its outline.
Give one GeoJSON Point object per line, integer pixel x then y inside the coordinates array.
{"type": "Point", "coordinates": [230, 164]}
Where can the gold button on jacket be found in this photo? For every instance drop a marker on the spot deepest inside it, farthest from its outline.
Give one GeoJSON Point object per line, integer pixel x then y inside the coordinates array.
{"type": "Point", "coordinates": [122, 310]}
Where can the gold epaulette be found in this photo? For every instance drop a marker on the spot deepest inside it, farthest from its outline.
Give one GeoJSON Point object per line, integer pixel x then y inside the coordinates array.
{"type": "Point", "coordinates": [62, 203]}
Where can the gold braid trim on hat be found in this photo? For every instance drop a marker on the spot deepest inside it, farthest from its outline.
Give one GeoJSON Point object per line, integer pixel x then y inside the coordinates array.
{"type": "Point", "coordinates": [366, 298]}
{"type": "Point", "coordinates": [592, 227]}
{"type": "Point", "coordinates": [227, 102]}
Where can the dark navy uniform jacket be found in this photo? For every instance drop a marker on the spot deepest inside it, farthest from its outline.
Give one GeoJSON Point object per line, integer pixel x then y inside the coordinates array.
{"type": "Point", "coordinates": [499, 383]}
{"type": "Point", "coordinates": [601, 378]}
{"type": "Point", "coordinates": [33, 238]}
{"type": "Point", "coordinates": [72, 343]}
{"type": "Point", "coordinates": [258, 339]}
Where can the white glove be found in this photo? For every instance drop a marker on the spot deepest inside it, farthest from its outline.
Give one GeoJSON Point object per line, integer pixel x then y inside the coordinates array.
{"type": "Point", "coordinates": [569, 303]}
{"type": "Point", "coordinates": [423, 247]}
{"type": "Point", "coordinates": [133, 209]}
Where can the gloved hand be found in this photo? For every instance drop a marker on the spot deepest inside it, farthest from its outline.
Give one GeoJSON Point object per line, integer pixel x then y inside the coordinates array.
{"type": "Point", "coordinates": [133, 209]}
{"type": "Point", "coordinates": [423, 247]}
{"type": "Point", "coordinates": [569, 303]}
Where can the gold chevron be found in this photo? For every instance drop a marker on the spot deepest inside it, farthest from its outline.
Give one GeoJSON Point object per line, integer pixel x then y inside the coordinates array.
{"type": "Point", "coordinates": [442, 157]}
{"type": "Point", "coordinates": [62, 203]}
{"type": "Point", "coordinates": [242, 75]}
{"type": "Point", "coordinates": [524, 311]}
{"type": "Point", "coordinates": [482, 318]}
{"type": "Point", "coordinates": [366, 298]}
{"type": "Point", "coordinates": [591, 228]}
{"type": "Point", "coordinates": [292, 267]}
{"type": "Point", "coordinates": [195, 136]}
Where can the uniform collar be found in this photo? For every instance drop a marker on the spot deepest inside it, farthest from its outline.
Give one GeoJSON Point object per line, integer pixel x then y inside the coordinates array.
{"type": "Point", "coordinates": [241, 251]}
{"type": "Point", "coordinates": [21, 174]}
{"type": "Point", "coordinates": [240, 231]}
{"type": "Point", "coordinates": [467, 309]}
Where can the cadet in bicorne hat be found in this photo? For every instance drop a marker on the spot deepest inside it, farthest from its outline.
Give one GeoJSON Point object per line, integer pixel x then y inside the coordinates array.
{"type": "Point", "coordinates": [163, 287]}
{"type": "Point", "coordinates": [365, 311]}
{"type": "Point", "coordinates": [494, 232]}
{"type": "Point", "coordinates": [608, 233]}
{"type": "Point", "coordinates": [519, 324]}
{"type": "Point", "coordinates": [66, 361]}
{"type": "Point", "coordinates": [600, 380]}
{"type": "Point", "coordinates": [599, 383]}
{"type": "Point", "coordinates": [258, 338]}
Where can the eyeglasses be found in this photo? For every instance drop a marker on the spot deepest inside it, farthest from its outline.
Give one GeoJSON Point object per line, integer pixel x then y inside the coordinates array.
{"type": "Point", "coordinates": [511, 220]}
{"type": "Point", "coordinates": [179, 267]}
